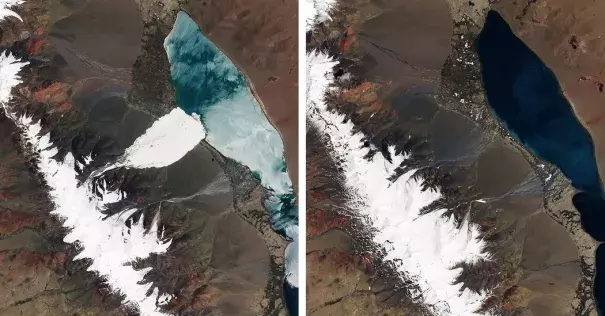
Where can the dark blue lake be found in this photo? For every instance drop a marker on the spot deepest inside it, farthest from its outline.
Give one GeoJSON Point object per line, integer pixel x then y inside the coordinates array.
{"type": "Point", "coordinates": [291, 295]}
{"type": "Point", "coordinates": [526, 96]}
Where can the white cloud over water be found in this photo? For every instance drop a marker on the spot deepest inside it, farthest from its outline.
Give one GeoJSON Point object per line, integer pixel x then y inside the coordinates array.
{"type": "Point", "coordinates": [168, 139]}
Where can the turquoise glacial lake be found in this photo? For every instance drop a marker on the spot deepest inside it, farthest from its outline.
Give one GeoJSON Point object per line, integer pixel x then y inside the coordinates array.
{"type": "Point", "coordinates": [209, 85]}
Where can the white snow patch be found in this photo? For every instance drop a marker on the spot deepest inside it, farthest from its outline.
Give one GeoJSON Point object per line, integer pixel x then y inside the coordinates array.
{"type": "Point", "coordinates": [5, 11]}
{"type": "Point", "coordinates": [109, 243]}
{"type": "Point", "coordinates": [9, 70]}
{"type": "Point", "coordinates": [165, 142]}
{"type": "Point", "coordinates": [165, 299]}
{"type": "Point", "coordinates": [292, 256]}
{"type": "Point", "coordinates": [426, 246]}
{"type": "Point", "coordinates": [317, 11]}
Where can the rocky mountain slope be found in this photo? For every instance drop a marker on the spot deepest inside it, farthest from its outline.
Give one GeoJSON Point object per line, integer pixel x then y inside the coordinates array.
{"type": "Point", "coordinates": [95, 89]}
{"type": "Point", "coordinates": [408, 76]}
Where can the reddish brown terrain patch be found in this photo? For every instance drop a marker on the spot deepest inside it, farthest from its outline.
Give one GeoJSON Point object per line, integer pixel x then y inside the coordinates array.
{"type": "Point", "coordinates": [53, 261]}
{"type": "Point", "coordinates": [196, 294]}
{"type": "Point", "coordinates": [12, 221]}
{"type": "Point", "coordinates": [349, 40]}
{"type": "Point", "coordinates": [319, 221]}
{"type": "Point", "coordinates": [57, 95]}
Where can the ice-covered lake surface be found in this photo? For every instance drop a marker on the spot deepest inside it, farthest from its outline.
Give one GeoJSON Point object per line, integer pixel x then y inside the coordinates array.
{"type": "Point", "coordinates": [212, 89]}
{"type": "Point", "coordinates": [209, 86]}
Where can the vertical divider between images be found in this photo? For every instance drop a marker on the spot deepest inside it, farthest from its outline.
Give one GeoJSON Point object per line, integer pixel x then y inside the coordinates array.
{"type": "Point", "coordinates": [302, 158]}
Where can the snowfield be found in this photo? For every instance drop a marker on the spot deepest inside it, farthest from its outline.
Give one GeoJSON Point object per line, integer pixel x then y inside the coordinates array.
{"type": "Point", "coordinates": [425, 247]}
{"type": "Point", "coordinates": [108, 242]}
